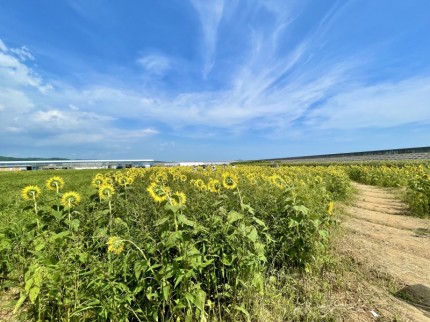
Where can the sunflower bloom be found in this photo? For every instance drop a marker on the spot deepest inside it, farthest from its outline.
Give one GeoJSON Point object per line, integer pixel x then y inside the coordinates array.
{"type": "Point", "coordinates": [115, 245]}
{"type": "Point", "coordinates": [122, 180]}
{"type": "Point", "coordinates": [158, 192]}
{"type": "Point", "coordinates": [97, 181]}
{"type": "Point", "coordinates": [278, 181]}
{"type": "Point", "coordinates": [214, 185]}
{"type": "Point", "coordinates": [178, 198]}
{"type": "Point", "coordinates": [106, 191]}
{"type": "Point", "coordinates": [31, 192]}
{"type": "Point", "coordinates": [70, 199]}
{"type": "Point", "coordinates": [55, 183]}
{"type": "Point", "coordinates": [229, 180]}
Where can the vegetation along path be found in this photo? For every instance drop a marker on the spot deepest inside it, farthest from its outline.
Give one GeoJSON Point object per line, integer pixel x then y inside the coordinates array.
{"type": "Point", "coordinates": [380, 233]}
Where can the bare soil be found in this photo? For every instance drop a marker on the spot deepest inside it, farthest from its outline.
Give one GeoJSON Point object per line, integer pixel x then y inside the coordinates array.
{"type": "Point", "coordinates": [391, 245]}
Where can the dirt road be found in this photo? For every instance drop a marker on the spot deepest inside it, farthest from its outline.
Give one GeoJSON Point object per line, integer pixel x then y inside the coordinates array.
{"type": "Point", "coordinates": [381, 234]}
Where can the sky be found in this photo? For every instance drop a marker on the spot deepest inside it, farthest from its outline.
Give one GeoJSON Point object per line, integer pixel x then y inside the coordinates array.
{"type": "Point", "coordinates": [212, 80]}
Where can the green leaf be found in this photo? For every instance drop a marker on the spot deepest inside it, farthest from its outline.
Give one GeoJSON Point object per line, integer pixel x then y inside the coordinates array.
{"type": "Point", "coordinates": [178, 280]}
{"type": "Point", "coordinates": [247, 208]}
{"type": "Point", "coordinates": [38, 276]}
{"type": "Point", "coordinates": [173, 237]}
{"type": "Point", "coordinates": [39, 245]}
{"type": "Point", "coordinates": [242, 309]}
{"type": "Point", "coordinates": [301, 209]}
{"type": "Point", "coordinates": [323, 233]}
{"type": "Point", "coordinates": [166, 291]}
{"type": "Point", "coordinates": [18, 304]}
{"type": "Point", "coordinates": [161, 221]}
{"type": "Point", "coordinates": [253, 235]}
{"type": "Point", "coordinates": [260, 222]}
{"type": "Point", "coordinates": [100, 232]}
{"type": "Point", "coordinates": [292, 223]}
{"type": "Point", "coordinates": [233, 216]}
{"type": "Point", "coordinates": [75, 223]}
{"type": "Point", "coordinates": [59, 236]}
{"type": "Point", "coordinates": [184, 220]}
{"type": "Point", "coordinates": [200, 299]}
{"type": "Point", "coordinates": [4, 242]}
{"type": "Point", "coordinates": [57, 214]}
{"type": "Point", "coordinates": [33, 294]}
{"type": "Point", "coordinates": [28, 284]}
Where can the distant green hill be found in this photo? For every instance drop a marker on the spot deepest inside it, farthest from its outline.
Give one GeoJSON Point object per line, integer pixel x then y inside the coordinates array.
{"type": "Point", "coordinates": [2, 158]}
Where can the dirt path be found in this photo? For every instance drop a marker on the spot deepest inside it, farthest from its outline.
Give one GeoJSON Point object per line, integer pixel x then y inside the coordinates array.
{"type": "Point", "coordinates": [380, 233]}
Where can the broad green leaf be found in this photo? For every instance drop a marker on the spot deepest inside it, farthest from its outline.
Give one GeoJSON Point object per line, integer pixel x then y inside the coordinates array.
{"type": "Point", "coordinates": [34, 292]}
{"type": "Point", "coordinates": [301, 209]}
{"type": "Point", "coordinates": [260, 222]}
{"type": "Point", "coordinates": [57, 214]}
{"type": "Point", "coordinates": [184, 220]}
{"type": "Point", "coordinates": [21, 300]}
{"type": "Point", "coordinates": [293, 223]}
{"type": "Point", "coordinates": [28, 284]}
{"type": "Point", "coordinates": [253, 235]}
{"type": "Point", "coordinates": [38, 276]}
{"type": "Point", "coordinates": [234, 216]}
{"type": "Point", "coordinates": [59, 235]}
{"type": "Point", "coordinates": [173, 237]}
{"type": "Point", "coordinates": [242, 309]}
{"type": "Point", "coordinates": [166, 291]}
{"type": "Point", "coordinates": [178, 280]}
{"type": "Point", "coordinates": [161, 221]}
{"type": "Point", "coordinates": [200, 299]}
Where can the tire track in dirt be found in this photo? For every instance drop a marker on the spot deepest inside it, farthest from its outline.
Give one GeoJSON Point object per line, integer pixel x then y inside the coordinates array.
{"type": "Point", "coordinates": [380, 233]}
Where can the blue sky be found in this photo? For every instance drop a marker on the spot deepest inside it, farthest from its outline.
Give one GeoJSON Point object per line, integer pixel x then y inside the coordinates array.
{"type": "Point", "coordinates": [212, 79]}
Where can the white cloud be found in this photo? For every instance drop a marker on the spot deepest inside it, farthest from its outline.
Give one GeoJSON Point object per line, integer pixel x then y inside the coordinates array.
{"type": "Point", "coordinates": [14, 102]}
{"type": "Point", "coordinates": [155, 63]}
{"type": "Point", "coordinates": [14, 72]}
{"type": "Point", "coordinates": [2, 46]}
{"type": "Point", "coordinates": [210, 14]}
{"type": "Point", "coordinates": [381, 105]}
{"type": "Point", "coordinates": [23, 53]}
{"type": "Point", "coordinates": [135, 134]}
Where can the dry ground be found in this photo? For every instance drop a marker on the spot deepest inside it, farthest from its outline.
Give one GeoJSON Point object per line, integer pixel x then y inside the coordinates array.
{"type": "Point", "coordinates": [394, 249]}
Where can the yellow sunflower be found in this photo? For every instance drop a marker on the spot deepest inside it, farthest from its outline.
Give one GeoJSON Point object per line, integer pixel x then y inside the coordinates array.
{"type": "Point", "coordinates": [214, 185]}
{"type": "Point", "coordinates": [97, 181]}
{"type": "Point", "coordinates": [178, 198]}
{"type": "Point", "coordinates": [229, 180]}
{"type": "Point", "coordinates": [115, 245]}
{"type": "Point", "coordinates": [106, 191]}
{"type": "Point", "coordinates": [31, 192]}
{"type": "Point", "coordinates": [55, 183]}
{"type": "Point", "coordinates": [158, 192]}
{"type": "Point", "coordinates": [122, 180]}
{"type": "Point", "coordinates": [70, 199]}
{"type": "Point", "coordinates": [278, 181]}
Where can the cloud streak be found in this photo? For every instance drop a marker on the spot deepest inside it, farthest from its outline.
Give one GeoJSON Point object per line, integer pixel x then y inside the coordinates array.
{"type": "Point", "coordinates": [210, 14]}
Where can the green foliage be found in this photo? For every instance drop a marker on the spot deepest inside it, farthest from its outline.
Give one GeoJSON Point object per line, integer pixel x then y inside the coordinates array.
{"type": "Point", "coordinates": [414, 177]}
{"type": "Point", "coordinates": [141, 256]}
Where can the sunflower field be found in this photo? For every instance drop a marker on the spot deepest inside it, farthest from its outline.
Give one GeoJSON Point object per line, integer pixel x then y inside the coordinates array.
{"type": "Point", "coordinates": [160, 244]}
{"type": "Point", "coordinates": [411, 177]}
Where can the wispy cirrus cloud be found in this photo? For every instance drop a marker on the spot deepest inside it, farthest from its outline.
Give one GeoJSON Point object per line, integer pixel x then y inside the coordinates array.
{"type": "Point", "coordinates": [210, 14]}
{"type": "Point", "coordinates": [156, 64]}
{"type": "Point", "coordinates": [381, 105]}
